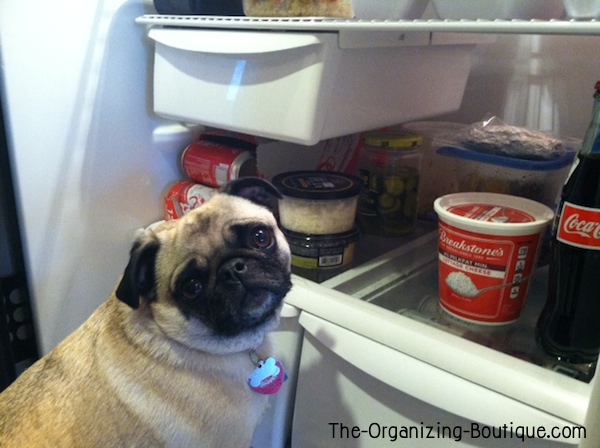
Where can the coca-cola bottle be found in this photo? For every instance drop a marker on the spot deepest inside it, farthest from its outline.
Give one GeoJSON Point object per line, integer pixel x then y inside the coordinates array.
{"type": "Point", "coordinates": [569, 326]}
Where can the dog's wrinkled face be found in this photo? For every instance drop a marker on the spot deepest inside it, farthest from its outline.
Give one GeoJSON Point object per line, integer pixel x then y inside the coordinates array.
{"type": "Point", "coordinates": [215, 279]}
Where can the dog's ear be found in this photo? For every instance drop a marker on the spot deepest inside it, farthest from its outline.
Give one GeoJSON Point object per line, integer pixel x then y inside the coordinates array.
{"type": "Point", "coordinates": [139, 278]}
{"type": "Point", "coordinates": [255, 189]}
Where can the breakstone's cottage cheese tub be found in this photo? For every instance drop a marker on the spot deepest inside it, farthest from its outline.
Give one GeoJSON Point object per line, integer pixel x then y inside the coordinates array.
{"type": "Point", "coordinates": [487, 240]}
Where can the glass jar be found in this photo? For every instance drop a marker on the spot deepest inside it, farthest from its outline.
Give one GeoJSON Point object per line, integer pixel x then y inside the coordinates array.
{"type": "Point", "coordinates": [390, 167]}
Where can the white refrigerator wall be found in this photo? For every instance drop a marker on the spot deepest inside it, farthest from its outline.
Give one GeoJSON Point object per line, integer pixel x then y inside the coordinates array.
{"type": "Point", "coordinates": [541, 82]}
{"type": "Point", "coordinates": [90, 158]}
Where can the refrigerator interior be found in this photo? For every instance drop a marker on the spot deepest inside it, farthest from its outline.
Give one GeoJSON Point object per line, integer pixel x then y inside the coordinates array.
{"type": "Point", "coordinates": [92, 160]}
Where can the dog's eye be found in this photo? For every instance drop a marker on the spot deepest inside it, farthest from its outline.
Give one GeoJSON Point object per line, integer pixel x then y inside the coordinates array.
{"type": "Point", "coordinates": [191, 289]}
{"type": "Point", "coordinates": [261, 237]}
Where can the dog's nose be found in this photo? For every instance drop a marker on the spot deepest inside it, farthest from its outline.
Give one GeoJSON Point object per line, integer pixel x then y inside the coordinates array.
{"type": "Point", "coordinates": [233, 270]}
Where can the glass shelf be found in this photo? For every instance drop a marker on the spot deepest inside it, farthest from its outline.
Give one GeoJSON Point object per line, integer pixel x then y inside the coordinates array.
{"type": "Point", "coordinates": [562, 27]}
{"type": "Point", "coordinates": [405, 281]}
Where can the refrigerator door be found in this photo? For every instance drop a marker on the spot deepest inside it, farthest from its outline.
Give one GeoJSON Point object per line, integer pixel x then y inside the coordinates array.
{"type": "Point", "coordinates": [517, 389]}
{"type": "Point", "coordinates": [353, 391]}
{"type": "Point", "coordinates": [275, 428]}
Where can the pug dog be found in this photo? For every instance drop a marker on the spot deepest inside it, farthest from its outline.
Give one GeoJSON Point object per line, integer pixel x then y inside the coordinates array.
{"type": "Point", "coordinates": [165, 361]}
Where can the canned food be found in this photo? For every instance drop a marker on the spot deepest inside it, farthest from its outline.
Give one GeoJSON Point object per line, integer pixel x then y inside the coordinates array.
{"type": "Point", "coordinates": [186, 196]}
{"type": "Point", "coordinates": [214, 164]}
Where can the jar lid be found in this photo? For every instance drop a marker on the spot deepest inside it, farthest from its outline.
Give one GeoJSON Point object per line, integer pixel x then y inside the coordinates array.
{"type": "Point", "coordinates": [318, 185]}
{"type": "Point", "coordinates": [394, 140]}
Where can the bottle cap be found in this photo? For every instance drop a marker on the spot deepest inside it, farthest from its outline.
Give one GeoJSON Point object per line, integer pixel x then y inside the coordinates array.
{"type": "Point", "coordinates": [597, 86]}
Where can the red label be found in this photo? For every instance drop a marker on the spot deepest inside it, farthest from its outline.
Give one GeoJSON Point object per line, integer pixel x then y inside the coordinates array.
{"type": "Point", "coordinates": [184, 197]}
{"type": "Point", "coordinates": [491, 213]}
{"type": "Point", "coordinates": [579, 226]}
{"type": "Point", "coordinates": [209, 163]}
{"type": "Point", "coordinates": [484, 278]}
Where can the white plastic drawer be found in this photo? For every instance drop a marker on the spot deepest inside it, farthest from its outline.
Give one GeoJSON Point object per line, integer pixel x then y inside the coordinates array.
{"type": "Point", "coordinates": [304, 87]}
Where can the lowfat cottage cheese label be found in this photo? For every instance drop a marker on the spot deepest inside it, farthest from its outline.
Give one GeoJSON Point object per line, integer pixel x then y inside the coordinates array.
{"type": "Point", "coordinates": [470, 263]}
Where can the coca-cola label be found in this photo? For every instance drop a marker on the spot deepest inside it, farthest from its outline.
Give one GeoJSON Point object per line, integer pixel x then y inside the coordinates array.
{"type": "Point", "coordinates": [579, 226]}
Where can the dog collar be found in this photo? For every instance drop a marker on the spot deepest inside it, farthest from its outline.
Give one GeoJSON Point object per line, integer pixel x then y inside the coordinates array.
{"type": "Point", "coordinates": [268, 376]}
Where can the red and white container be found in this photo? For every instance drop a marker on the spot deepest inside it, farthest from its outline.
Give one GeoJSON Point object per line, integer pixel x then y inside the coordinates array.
{"type": "Point", "coordinates": [487, 240]}
{"type": "Point", "coordinates": [185, 196]}
{"type": "Point", "coordinates": [214, 164]}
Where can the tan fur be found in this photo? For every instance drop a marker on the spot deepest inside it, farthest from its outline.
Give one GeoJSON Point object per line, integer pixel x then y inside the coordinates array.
{"type": "Point", "coordinates": [145, 377]}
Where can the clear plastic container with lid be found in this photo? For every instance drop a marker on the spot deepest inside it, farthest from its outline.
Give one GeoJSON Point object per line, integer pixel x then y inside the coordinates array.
{"type": "Point", "coordinates": [390, 168]}
{"type": "Point", "coordinates": [317, 202]}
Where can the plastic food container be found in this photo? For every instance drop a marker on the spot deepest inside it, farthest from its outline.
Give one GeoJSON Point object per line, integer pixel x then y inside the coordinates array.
{"type": "Point", "coordinates": [200, 7]}
{"type": "Point", "coordinates": [435, 179]}
{"type": "Point", "coordinates": [539, 180]}
{"type": "Point", "coordinates": [322, 251]}
{"type": "Point", "coordinates": [317, 202]}
{"type": "Point", "coordinates": [389, 9]}
{"type": "Point", "coordinates": [498, 9]}
{"type": "Point", "coordinates": [488, 244]}
{"type": "Point", "coordinates": [298, 8]}
{"type": "Point", "coordinates": [390, 168]}
{"type": "Point", "coordinates": [582, 9]}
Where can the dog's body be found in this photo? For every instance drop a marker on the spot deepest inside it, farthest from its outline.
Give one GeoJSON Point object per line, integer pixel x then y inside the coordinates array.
{"type": "Point", "coordinates": [165, 361]}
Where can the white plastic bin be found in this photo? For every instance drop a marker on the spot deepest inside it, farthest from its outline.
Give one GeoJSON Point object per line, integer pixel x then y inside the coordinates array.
{"type": "Point", "coordinates": [304, 87]}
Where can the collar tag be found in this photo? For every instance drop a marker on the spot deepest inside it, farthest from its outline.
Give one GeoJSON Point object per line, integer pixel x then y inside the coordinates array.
{"type": "Point", "coordinates": [268, 376]}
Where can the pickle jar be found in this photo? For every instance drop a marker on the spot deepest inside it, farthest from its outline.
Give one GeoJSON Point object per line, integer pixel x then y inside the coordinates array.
{"type": "Point", "coordinates": [389, 166]}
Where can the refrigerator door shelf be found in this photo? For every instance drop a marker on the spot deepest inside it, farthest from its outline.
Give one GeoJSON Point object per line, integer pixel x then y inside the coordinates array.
{"type": "Point", "coordinates": [275, 427]}
{"type": "Point", "coordinates": [304, 87]}
{"type": "Point", "coordinates": [518, 379]}
{"type": "Point", "coordinates": [423, 381]}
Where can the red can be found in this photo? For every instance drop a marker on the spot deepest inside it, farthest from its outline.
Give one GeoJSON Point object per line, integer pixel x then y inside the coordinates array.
{"type": "Point", "coordinates": [214, 164]}
{"type": "Point", "coordinates": [186, 196]}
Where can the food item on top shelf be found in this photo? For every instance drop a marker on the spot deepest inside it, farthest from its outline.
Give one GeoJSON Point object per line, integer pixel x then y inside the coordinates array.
{"type": "Point", "coordinates": [200, 7]}
{"type": "Point", "coordinates": [299, 8]}
{"type": "Point", "coordinates": [317, 202]}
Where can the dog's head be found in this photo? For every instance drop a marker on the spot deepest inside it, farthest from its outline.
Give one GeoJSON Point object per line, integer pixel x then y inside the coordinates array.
{"type": "Point", "coordinates": [214, 279]}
